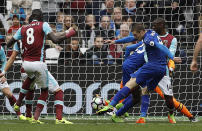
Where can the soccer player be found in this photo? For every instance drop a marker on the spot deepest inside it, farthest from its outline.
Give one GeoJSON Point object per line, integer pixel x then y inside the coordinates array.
{"type": "Point", "coordinates": [30, 94]}
{"type": "Point", "coordinates": [159, 27]}
{"type": "Point", "coordinates": [53, 86]}
{"type": "Point", "coordinates": [198, 48]}
{"type": "Point", "coordinates": [32, 37]}
{"type": "Point", "coordinates": [171, 43]}
{"type": "Point", "coordinates": [148, 76]}
{"type": "Point", "coordinates": [5, 87]}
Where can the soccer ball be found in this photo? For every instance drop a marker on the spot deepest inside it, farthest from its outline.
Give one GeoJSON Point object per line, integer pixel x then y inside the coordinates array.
{"type": "Point", "coordinates": [97, 103]}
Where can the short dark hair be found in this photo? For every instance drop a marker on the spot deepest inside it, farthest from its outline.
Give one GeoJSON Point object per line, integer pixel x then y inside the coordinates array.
{"type": "Point", "coordinates": [138, 27]}
{"type": "Point", "coordinates": [159, 21]}
{"type": "Point", "coordinates": [30, 19]}
{"type": "Point", "coordinates": [37, 15]}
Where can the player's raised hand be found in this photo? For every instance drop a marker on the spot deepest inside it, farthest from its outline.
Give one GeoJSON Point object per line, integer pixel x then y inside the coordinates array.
{"type": "Point", "coordinates": [177, 60]}
{"type": "Point", "coordinates": [171, 67]}
{"type": "Point", "coordinates": [109, 41]}
{"type": "Point", "coordinates": [194, 66]}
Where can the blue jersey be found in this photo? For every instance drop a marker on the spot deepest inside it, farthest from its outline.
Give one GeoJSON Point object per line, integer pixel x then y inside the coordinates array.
{"type": "Point", "coordinates": [133, 62]}
{"type": "Point", "coordinates": [3, 58]}
{"type": "Point", "coordinates": [153, 71]}
{"type": "Point", "coordinates": [137, 57]}
{"type": "Point", "coordinates": [154, 48]}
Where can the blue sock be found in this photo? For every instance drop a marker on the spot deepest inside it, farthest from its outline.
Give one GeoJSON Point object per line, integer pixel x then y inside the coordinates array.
{"type": "Point", "coordinates": [127, 105]}
{"type": "Point", "coordinates": [144, 105]}
{"type": "Point", "coordinates": [120, 95]}
{"type": "Point", "coordinates": [128, 98]}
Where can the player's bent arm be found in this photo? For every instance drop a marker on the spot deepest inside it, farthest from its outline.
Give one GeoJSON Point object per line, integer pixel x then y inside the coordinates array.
{"type": "Point", "coordinates": [132, 48]}
{"type": "Point", "coordinates": [164, 49]}
{"type": "Point", "coordinates": [56, 38]}
{"type": "Point", "coordinates": [3, 58]}
{"type": "Point", "coordinates": [173, 46]}
{"type": "Point", "coordinates": [126, 39]}
{"type": "Point", "coordinates": [11, 42]}
{"type": "Point", "coordinates": [197, 48]}
{"type": "Point", "coordinates": [15, 38]}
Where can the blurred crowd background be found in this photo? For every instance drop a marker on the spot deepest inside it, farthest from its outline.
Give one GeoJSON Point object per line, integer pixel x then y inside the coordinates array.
{"type": "Point", "coordinates": [98, 20]}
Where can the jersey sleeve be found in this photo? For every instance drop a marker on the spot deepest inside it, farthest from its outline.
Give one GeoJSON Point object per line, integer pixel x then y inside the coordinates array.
{"type": "Point", "coordinates": [16, 47]}
{"type": "Point", "coordinates": [18, 35]}
{"type": "Point", "coordinates": [173, 46]}
{"type": "Point", "coordinates": [3, 58]}
{"type": "Point", "coordinates": [164, 49]}
{"type": "Point", "coordinates": [152, 39]}
{"type": "Point", "coordinates": [132, 48]}
{"type": "Point", "coordinates": [126, 39]}
{"type": "Point", "coordinates": [46, 28]}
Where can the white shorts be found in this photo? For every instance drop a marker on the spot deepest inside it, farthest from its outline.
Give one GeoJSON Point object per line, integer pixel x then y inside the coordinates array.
{"type": "Point", "coordinates": [4, 85]}
{"type": "Point", "coordinates": [165, 86]}
{"type": "Point", "coordinates": [24, 77]}
{"type": "Point", "coordinates": [52, 83]}
{"type": "Point", "coordinates": [37, 70]}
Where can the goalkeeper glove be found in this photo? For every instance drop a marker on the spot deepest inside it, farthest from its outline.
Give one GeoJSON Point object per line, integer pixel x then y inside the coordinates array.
{"type": "Point", "coordinates": [171, 67]}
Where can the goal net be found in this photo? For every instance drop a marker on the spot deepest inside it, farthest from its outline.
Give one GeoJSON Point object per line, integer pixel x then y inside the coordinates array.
{"type": "Point", "coordinates": [87, 66]}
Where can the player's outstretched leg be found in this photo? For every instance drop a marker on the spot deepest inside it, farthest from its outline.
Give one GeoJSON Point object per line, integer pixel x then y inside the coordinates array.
{"type": "Point", "coordinates": [119, 96]}
{"type": "Point", "coordinates": [183, 109]}
{"type": "Point", "coordinates": [23, 92]}
{"type": "Point", "coordinates": [121, 86]}
{"type": "Point", "coordinates": [179, 106]}
{"type": "Point", "coordinates": [59, 108]}
{"type": "Point", "coordinates": [144, 108]}
{"type": "Point", "coordinates": [123, 93]}
{"type": "Point", "coordinates": [170, 105]}
{"type": "Point", "coordinates": [127, 104]}
{"type": "Point", "coordinates": [28, 102]}
{"type": "Point", "coordinates": [12, 100]}
{"type": "Point", "coordinates": [127, 70]}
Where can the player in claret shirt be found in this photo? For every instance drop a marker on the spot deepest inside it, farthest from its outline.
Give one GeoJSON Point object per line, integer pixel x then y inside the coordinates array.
{"type": "Point", "coordinates": [33, 39]}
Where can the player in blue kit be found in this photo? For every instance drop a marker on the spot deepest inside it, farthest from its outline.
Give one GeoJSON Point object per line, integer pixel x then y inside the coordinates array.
{"type": "Point", "coordinates": [133, 61]}
{"type": "Point", "coordinates": [150, 73]}
{"type": "Point", "coordinates": [131, 64]}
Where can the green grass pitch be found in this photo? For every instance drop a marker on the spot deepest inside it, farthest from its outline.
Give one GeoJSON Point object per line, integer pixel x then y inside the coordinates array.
{"type": "Point", "coordinates": [101, 125]}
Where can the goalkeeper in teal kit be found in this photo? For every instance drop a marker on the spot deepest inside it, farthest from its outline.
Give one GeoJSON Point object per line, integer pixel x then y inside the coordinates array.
{"type": "Point", "coordinates": [148, 76]}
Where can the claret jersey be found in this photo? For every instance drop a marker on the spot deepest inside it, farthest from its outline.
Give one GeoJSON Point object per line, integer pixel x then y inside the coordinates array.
{"type": "Point", "coordinates": [33, 40]}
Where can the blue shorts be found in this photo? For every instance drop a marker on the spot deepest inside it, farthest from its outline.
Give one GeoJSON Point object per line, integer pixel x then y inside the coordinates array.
{"type": "Point", "coordinates": [149, 75]}
{"type": "Point", "coordinates": [132, 64]}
